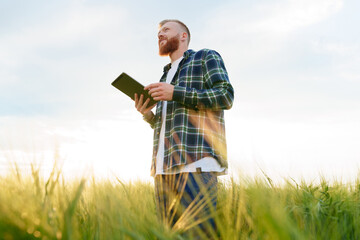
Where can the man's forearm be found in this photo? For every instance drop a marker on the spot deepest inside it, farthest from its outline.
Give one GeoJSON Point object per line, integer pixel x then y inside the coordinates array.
{"type": "Point", "coordinates": [149, 117]}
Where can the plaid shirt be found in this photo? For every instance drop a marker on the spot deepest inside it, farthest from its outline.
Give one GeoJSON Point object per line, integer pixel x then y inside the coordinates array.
{"type": "Point", "coordinates": [195, 126]}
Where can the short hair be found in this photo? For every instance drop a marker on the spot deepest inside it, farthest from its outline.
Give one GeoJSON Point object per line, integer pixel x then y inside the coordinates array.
{"type": "Point", "coordinates": [182, 25]}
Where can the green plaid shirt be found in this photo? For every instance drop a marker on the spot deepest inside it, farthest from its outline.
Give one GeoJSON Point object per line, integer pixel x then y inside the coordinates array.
{"type": "Point", "coordinates": [195, 126]}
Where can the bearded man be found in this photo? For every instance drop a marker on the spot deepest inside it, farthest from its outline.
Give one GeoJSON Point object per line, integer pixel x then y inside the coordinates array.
{"type": "Point", "coordinates": [189, 131]}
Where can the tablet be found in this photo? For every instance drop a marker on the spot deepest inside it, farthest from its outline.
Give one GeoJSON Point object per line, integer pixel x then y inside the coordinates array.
{"type": "Point", "coordinates": [130, 86]}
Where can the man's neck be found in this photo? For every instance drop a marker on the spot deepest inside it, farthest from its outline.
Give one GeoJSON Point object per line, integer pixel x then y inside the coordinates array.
{"type": "Point", "coordinates": [178, 53]}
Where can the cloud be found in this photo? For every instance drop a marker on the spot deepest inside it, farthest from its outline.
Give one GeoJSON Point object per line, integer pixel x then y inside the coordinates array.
{"type": "Point", "coordinates": [291, 15]}
{"type": "Point", "coordinates": [255, 31]}
{"type": "Point", "coordinates": [74, 24]}
{"type": "Point", "coordinates": [274, 17]}
{"type": "Point", "coordinates": [346, 58]}
{"type": "Point", "coordinates": [52, 64]}
{"type": "Point", "coordinates": [65, 61]}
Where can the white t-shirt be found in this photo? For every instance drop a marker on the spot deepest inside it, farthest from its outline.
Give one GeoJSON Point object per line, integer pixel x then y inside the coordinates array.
{"type": "Point", "coordinates": [207, 164]}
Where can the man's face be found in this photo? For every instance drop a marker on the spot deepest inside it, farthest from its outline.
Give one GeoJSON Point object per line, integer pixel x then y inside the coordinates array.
{"type": "Point", "coordinates": [169, 38]}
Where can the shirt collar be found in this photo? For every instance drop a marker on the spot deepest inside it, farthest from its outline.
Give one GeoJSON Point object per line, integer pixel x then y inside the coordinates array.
{"type": "Point", "coordinates": [167, 67]}
{"type": "Point", "coordinates": [186, 55]}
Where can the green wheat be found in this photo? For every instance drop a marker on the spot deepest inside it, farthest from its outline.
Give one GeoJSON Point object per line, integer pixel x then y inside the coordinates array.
{"type": "Point", "coordinates": [32, 207]}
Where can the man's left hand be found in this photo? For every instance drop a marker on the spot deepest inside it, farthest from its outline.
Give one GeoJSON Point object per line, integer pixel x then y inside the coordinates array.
{"type": "Point", "coordinates": [160, 91]}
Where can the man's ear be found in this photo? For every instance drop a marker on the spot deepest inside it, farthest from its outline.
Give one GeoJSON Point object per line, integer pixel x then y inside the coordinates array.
{"type": "Point", "coordinates": [184, 36]}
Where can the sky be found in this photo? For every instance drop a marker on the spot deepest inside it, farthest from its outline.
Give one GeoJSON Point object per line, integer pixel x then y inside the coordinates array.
{"type": "Point", "coordinates": [294, 66]}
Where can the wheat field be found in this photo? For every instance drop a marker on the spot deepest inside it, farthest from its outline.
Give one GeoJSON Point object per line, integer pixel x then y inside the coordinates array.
{"type": "Point", "coordinates": [33, 207]}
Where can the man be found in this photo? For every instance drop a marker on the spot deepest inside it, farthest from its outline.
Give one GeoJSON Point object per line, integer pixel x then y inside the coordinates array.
{"type": "Point", "coordinates": [189, 130]}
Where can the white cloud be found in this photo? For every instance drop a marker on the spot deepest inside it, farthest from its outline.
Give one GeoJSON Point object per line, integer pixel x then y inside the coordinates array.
{"type": "Point", "coordinates": [290, 15]}
{"type": "Point", "coordinates": [340, 49]}
{"type": "Point", "coordinates": [7, 78]}
{"type": "Point", "coordinates": [350, 76]}
{"type": "Point", "coordinates": [70, 59]}
{"type": "Point", "coordinates": [345, 57]}
{"type": "Point", "coordinates": [273, 17]}
{"type": "Point", "coordinates": [257, 31]}
{"type": "Point", "coordinates": [78, 23]}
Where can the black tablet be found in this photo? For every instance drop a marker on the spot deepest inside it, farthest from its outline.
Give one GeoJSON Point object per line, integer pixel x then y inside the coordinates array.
{"type": "Point", "coordinates": [130, 86]}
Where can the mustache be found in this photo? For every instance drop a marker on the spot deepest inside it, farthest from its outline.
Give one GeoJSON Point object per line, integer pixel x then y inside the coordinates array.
{"type": "Point", "coordinates": [162, 38]}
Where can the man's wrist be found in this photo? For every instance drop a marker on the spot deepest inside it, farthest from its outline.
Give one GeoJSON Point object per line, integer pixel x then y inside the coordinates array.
{"type": "Point", "coordinates": [148, 118]}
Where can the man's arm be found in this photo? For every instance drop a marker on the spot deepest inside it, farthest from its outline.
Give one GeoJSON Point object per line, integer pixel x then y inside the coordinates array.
{"type": "Point", "coordinates": [160, 91]}
{"type": "Point", "coordinates": [148, 115]}
{"type": "Point", "coordinates": [218, 93]}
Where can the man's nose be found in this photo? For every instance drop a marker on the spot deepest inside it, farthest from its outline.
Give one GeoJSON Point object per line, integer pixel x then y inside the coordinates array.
{"type": "Point", "coordinates": [161, 35]}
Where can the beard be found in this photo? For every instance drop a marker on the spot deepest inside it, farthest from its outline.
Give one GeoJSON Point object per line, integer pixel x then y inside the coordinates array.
{"type": "Point", "coordinates": [170, 46]}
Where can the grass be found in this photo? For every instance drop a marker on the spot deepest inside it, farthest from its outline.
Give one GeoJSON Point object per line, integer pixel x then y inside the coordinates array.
{"type": "Point", "coordinates": [32, 207]}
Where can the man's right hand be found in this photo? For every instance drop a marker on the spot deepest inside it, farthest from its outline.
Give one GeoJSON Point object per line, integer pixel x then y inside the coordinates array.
{"type": "Point", "coordinates": [142, 107]}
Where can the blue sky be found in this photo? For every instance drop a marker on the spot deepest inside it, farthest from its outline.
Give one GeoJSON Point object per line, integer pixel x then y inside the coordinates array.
{"type": "Point", "coordinates": [294, 66]}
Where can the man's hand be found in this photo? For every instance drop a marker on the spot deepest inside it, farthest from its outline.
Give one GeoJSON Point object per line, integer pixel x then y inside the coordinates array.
{"type": "Point", "coordinates": [160, 91]}
{"type": "Point", "coordinates": [142, 107]}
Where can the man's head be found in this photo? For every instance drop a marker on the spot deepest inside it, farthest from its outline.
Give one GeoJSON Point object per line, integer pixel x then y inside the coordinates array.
{"type": "Point", "coordinates": [172, 35]}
